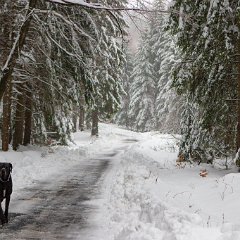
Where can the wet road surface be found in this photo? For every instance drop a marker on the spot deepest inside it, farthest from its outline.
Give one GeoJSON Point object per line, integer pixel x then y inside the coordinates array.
{"type": "Point", "coordinates": [59, 208]}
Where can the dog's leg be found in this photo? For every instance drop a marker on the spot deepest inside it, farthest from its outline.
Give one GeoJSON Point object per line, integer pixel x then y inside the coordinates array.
{"type": "Point", "coordinates": [6, 208]}
{"type": "Point", "coordinates": [2, 217]}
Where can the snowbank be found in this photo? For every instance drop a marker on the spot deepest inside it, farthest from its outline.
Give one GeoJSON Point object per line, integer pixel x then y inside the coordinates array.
{"type": "Point", "coordinates": [151, 198]}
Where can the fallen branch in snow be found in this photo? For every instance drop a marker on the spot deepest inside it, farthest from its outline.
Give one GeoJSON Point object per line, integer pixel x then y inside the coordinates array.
{"type": "Point", "coordinates": [203, 173]}
{"type": "Point", "coordinates": [222, 195]}
{"type": "Point", "coordinates": [180, 193]}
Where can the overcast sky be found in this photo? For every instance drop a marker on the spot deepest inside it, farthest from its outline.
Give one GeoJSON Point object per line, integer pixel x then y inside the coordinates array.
{"type": "Point", "coordinates": [137, 23]}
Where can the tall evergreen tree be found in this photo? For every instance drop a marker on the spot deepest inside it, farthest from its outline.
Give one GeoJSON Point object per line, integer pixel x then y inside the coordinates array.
{"type": "Point", "coordinates": [165, 57]}
{"type": "Point", "coordinates": [122, 117]}
{"type": "Point", "coordinates": [143, 88]}
{"type": "Point", "coordinates": [154, 106]}
{"type": "Point", "coordinates": [207, 33]}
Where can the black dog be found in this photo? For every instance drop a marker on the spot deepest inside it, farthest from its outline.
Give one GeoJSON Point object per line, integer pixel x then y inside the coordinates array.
{"type": "Point", "coordinates": [5, 189]}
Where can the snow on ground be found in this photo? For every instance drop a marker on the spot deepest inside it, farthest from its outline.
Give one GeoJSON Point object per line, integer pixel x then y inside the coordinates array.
{"type": "Point", "coordinates": [32, 164]}
{"type": "Point", "coordinates": [151, 198]}
{"type": "Point", "coordinates": [145, 196]}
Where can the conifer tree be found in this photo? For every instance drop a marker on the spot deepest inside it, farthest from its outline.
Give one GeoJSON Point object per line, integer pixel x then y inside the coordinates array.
{"type": "Point", "coordinates": [76, 57]}
{"type": "Point", "coordinates": [108, 63]}
{"type": "Point", "coordinates": [122, 117]}
{"type": "Point", "coordinates": [154, 105]}
{"type": "Point", "coordinates": [207, 33]}
{"type": "Point", "coordinates": [165, 57]}
{"type": "Point", "coordinates": [142, 91]}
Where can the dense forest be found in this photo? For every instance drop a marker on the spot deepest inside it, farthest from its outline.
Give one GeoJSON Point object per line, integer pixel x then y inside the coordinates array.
{"type": "Point", "coordinates": [184, 78]}
{"type": "Point", "coordinates": [65, 66]}
{"type": "Point", "coordinates": [59, 63]}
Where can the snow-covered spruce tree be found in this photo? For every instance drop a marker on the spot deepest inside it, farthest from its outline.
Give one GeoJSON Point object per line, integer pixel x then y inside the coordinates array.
{"type": "Point", "coordinates": [154, 106]}
{"type": "Point", "coordinates": [85, 54]}
{"type": "Point", "coordinates": [97, 57]}
{"type": "Point", "coordinates": [165, 56]}
{"type": "Point", "coordinates": [109, 62]}
{"type": "Point", "coordinates": [122, 117]}
{"type": "Point", "coordinates": [207, 33]}
{"type": "Point", "coordinates": [143, 88]}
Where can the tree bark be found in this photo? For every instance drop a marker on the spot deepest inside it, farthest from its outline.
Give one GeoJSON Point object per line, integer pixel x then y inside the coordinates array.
{"type": "Point", "coordinates": [238, 101]}
{"type": "Point", "coordinates": [82, 105]}
{"type": "Point", "coordinates": [95, 122]}
{"type": "Point", "coordinates": [16, 50]}
{"type": "Point", "coordinates": [6, 117]}
{"type": "Point", "coordinates": [19, 121]}
{"type": "Point", "coordinates": [6, 41]}
{"type": "Point", "coordinates": [28, 117]}
{"type": "Point", "coordinates": [74, 118]}
{"type": "Point", "coordinates": [81, 118]}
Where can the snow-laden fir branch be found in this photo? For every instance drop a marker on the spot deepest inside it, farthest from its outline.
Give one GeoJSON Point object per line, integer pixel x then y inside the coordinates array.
{"type": "Point", "coordinates": [98, 6]}
{"type": "Point", "coordinates": [67, 21]}
{"type": "Point", "coordinates": [15, 46]}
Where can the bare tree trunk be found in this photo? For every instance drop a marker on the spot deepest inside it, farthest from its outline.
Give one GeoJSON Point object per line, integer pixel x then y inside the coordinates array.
{"type": "Point", "coordinates": [16, 50]}
{"type": "Point", "coordinates": [81, 118]}
{"type": "Point", "coordinates": [74, 118]}
{"type": "Point", "coordinates": [82, 106]}
{"type": "Point", "coordinates": [19, 121]}
{"type": "Point", "coordinates": [238, 102]}
{"type": "Point", "coordinates": [6, 117]}
{"type": "Point", "coordinates": [6, 41]}
{"type": "Point", "coordinates": [28, 117]}
{"type": "Point", "coordinates": [95, 122]}
{"type": "Point", "coordinates": [74, 122]}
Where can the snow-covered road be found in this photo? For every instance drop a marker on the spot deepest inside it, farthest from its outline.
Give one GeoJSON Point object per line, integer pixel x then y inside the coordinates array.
{"type": "Point", "coordinates": [60, 206]}
{"type": "Point", "coordinates": [57, 193]}
{"type": "Point", "coordinates": [57, 209]}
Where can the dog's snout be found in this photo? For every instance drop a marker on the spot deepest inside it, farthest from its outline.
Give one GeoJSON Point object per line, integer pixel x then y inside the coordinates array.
{"type": "Point", "coordinates": [4, 171]}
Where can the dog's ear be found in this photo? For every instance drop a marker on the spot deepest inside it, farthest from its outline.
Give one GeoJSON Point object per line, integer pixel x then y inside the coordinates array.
{"type": "Point", "coordinates": [11, 167]}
